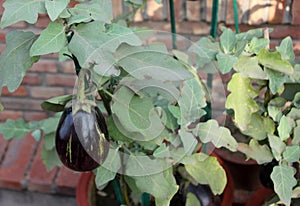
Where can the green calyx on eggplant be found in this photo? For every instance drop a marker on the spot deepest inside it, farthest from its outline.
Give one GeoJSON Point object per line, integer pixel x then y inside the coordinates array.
{"type": "Point", "coordinates": [82, 139]}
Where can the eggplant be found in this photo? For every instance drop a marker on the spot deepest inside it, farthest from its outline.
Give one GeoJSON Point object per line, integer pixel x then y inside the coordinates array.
{"type": "Point", "coordinates": [204, 195]}
{"type": "Point", "coordinates": [82, 139]}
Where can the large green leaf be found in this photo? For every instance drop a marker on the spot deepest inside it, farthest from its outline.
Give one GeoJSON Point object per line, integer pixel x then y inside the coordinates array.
{"type": "Point", "coordinates": [284, 181]}
{"type": "Point", "coordinates": [210, 131]}
{"type": "Point", "coordinates": [276, 80]}
{"type": "Point", "coordinates": [284, 128]}
{"type": "Point", "coordinates": [207, 171]}
{"type": "Point", "coordinates": [21, 10]}
{"type": "Point", "coordinates": [15, 59]}
{"type": "Point", "coordinates": [188, 140]}
{"type": "Point", "coordinates": [292, 153]}
{"type": "Point", "coordinates": [17, 129]}
{"type": "Point", "coordinates": [55, 7]}
{"type": "Point", "coordinates": [257, 44]}
{"type": "Point", "coordinates": [137, 114]}
{"type": "Point", "coordinates": [227, 41]}
{"type": "Point", "coordinates": [248, 67]}
{"type": "Point", "coordinates": [191, 102]}
{"type": "Point", "coordinates": [108, 170]}
{"type": "Point", "coordinates": [260, 153]}
{"type": "Point", "coordinates": [277, 146]}
{"type": "Point", "coordinates": [296, 137]}
{"type": "Point", "coordinates": [97, 10]}
{"type": "Point", "coordinates": [226, 62]}
{"type": "Point", "coordinates": [162, 186]}
{"type": "Point", "coordinates": [273, 60]}
{"type": "Point", "coordinates": [241, 100]}
{"type": "Point", "coordinates": [206, 50]}
{"type": "Point", "coordinates": [51, 40]}
{"type": "Point", "coordinates": [286, 49]}
{"type": "Point", "coordinates": [50, 158]}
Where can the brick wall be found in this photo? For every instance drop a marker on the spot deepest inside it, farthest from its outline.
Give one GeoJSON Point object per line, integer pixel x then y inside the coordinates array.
{"type": "Point", "coordinates": [49, 77]}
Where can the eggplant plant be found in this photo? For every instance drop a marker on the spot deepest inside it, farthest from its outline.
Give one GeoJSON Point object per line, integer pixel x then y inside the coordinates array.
{"type": "Point", "coordinates": [263, 102]}
{"type": "Point", "coordinates": [135, 114]}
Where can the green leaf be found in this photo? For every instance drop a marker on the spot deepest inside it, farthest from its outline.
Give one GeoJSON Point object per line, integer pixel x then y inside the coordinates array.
{"type": "Point", "coordinates": [115, 130]}
{"type": "Point", "coordinates": [206, 50]}
{"type": "Point", "coordinates": [51, 40]}
{"type": "Point", "coordinates": [153, 65]}
{"type": "Point", "coordinates": [15, 59]}
{"type": "Point", "coordinates": [97, 10]}
{"type": "Point", "coordinates": [277, 146]}
{"type": "Point", "coordinates": [227, 41]}
{"type": "Point", "coordinates": [208, 171]}
{"type": "Point", "coordinates": [284, 128]}
{"type": "Point", "coordinates": [284, 181]}
{"type": "Point", "coordinates": [50, 158]}
{"type": "Point", "coordinates": [21, 10]}
{"type": "Point", "coordinates": [108, 170]}
{"type": "Point", "coordinates": [175, 110]}
{"type": "Point", "coordinates": [258, 44]}
{"type": "Point", "coordinates": [162, 186]}
{"type": "Point", "coordinates": [162, 151]}
{"type": "Point", "coordinates": [192, 200]}
{"type": "Point", "coordinates": [55, 7]}
{"type": "Point", "coordinates": [210, 131]}
{"type": "Point", "coordinates": [296, 137]}
{"type": "Point", "coordinates": [188, 140]}
{"type": "Point", "coordinates": [276, 80]}
{"type": "Point", "coordinates": [18, 128]}
{"type": "Point", "coordinates": [274, 61]}
{"type": "Point", "coordinates": [259, 127]}
{"type": "Point", "coordinates": [286, 49]}
{"type": "Point", "coordinates": [296, 100]}
{"type": "Point", "coordinates": [191, 102]}
{"type": "Point", "coordinates": [49, 141]}
{"type": "Point", "coordinates": [292, 153]}
{"type": "Point", "coordinates": [248, 67]}
{"type": "Point", "coordinates": [260, 153]}
{"type": "Point", "coordinates": [226, 62]}
{"type": "Point", "coordinates": [56, 104]}
{"type": "Point", "coordinates": [137, 114]}
{"type": "Point", "coordinates": [241, 100]}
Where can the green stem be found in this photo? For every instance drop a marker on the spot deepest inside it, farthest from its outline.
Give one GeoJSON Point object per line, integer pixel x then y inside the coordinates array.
{"type": "Point", "coordinates": [173, 24]}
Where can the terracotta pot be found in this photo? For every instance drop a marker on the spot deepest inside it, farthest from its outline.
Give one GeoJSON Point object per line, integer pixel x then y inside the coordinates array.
{"type": "Point", "coordinates": [86, 188]}
{"type": "Point", "coordinates": [259, 196]}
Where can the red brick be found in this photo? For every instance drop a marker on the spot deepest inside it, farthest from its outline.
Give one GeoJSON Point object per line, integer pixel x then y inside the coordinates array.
{"type": "Point", "coordinates": [14, 103]}
{"type": "Point", "coordinates": [39, 178]}
{"type": "Point", "coordinates": [242, 5]}
{"type": "Point", "coordinates": [67, 181]}
{"type": "Point", "coordinates": [10, 114]}
{"type": "Point", "coordinates": [276, 11]}
{"type": "Point", "coordinates": [297, 48]}
{"type": "Point", "coordinates": [20, 92]}
{"type": "Point", "coordinates": [68, 67]}
{"type": "Point", "coordinates": [34, 116]}
{"type": "Point", "coordinates": [1, 7]}
{"type": "Point", "coordinates": [2, 48]}
{"type": "Point", "coordinates": [3, 145]}
{"type": "Point", "coordinates": [295, 12]}
{"type": "Point", "coordinates": [117, 7]}
{"type": "Point", "coordinates": [282, 31]}
{"type": "Point", "coordinates": [31, 79]}
{"type": "Point", "coordinates": [44, 66]}
{"type": "Point", "coordinates": [16, 161]}
{"type": "Point", "coordinates": [45, 92]}
{"type": "Point", "coordinates": [42, 22]}
{"type": "Point", "coordinates": [2, 36]}
{"type": "Point", "coordinates": [60, 80]}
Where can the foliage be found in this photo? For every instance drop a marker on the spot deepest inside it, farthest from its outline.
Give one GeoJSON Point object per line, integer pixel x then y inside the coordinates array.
{"type": "Point", "coordinates": [261, 108]}
{"type": "Point", "coordinates": [154, 101]}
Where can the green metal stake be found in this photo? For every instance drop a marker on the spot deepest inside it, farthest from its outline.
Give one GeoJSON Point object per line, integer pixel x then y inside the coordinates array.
{"type": "Point", "coordinates": [173, 24]}
{"type": "Point", "coordinates": [213, 33]}
{"type": "Point", "coordinates": [236, 16]}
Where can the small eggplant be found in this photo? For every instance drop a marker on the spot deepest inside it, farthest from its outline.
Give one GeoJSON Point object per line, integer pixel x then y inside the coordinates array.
{"type": "Point", "coordinates": [82, 139]}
